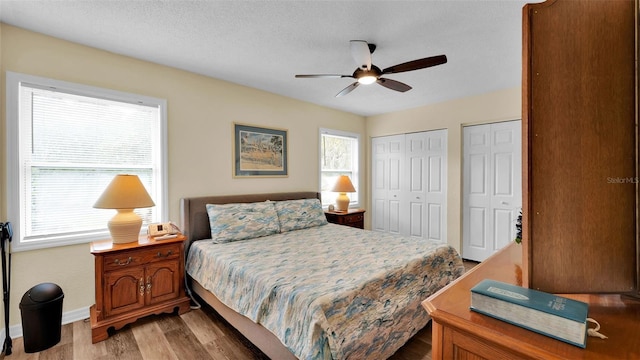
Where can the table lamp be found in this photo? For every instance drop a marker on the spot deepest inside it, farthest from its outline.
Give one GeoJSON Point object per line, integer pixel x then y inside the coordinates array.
{"type": "Point", "coordinates": [343, 186]}
{"type": "Point", "coordinates": [125, 193]}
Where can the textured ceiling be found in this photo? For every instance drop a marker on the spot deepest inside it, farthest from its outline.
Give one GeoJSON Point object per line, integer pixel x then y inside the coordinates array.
{"type": "Point", "coordinates": [263, 44]}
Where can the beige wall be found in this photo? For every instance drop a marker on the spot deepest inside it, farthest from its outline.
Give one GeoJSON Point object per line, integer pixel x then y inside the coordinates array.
{"type": "Point", "coordinates": [201, 111]}
{"type": "Point", "coordinates": [452, 115]}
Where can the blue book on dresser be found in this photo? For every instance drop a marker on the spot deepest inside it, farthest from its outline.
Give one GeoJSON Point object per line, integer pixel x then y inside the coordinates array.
{"type": "Point", "coordinates": [548, 314]}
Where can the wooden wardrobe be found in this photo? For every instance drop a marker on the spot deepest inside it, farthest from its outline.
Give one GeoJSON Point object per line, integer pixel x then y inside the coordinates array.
{"type": "Point", "coordinates": [580, 146]}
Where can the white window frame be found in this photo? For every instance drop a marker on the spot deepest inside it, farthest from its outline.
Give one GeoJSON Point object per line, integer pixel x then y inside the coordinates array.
{"type": "Point", "coordinates": [355, 179]}
{"type": "Point", "coordinates": [13, 157]}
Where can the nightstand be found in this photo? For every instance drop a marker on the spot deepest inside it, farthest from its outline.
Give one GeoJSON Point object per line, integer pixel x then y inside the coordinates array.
{"type": "Point", "coordinates": [135, 280]}
{"type": "Point", "coordinates": [352, 217]}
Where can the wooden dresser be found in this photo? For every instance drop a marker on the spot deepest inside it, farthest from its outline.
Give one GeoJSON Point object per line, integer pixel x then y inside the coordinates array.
{"type": "Point", "coordinates": [459, 333]}
{"type": "Point", "coordinates": [580, 162]}
{"type": "Point", "coordinates": [580, 181]}
{"type": "Point", "coordinates": [135, 280]}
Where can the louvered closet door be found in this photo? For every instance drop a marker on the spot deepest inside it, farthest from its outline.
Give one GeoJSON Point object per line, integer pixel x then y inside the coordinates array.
{"type": "Point", "coordinates": [492, 187]}
{"type": "Point", "coordinates": [387, 168]}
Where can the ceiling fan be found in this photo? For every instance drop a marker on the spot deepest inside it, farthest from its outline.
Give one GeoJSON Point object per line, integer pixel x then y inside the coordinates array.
{"type": "Point", "coordinates": [367, 73]}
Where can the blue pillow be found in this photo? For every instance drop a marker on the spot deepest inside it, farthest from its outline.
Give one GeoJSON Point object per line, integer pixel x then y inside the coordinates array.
{"type": "Point", "coordinates": [231, 222]}
{"type": "Point", "coordinates": [300, 214]}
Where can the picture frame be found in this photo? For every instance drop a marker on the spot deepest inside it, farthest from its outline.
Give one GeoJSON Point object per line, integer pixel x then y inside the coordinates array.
{"type": "Point", "coordinates": [259, 151]}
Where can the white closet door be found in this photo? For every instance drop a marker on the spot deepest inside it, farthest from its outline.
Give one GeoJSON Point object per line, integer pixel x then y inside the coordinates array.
{"type": "Point", "coordinates": [436, 185]}
{"type": "Point", "coordinates": [492, 187]}
{"type": "Point", "coordinates": [409, 184]}
{"type": "Point", "coordinates": [415, 180]}
{"type": "Point", "coordinates": [387, 169]}
{"type": "Point", "coordinates": [425, 196]}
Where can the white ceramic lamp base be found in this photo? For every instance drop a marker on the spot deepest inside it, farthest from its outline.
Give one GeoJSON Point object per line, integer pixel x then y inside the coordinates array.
{"type": "Point", "coordinates": [125, 226]}
{"type": "Point", "coordinates": [342, 202]}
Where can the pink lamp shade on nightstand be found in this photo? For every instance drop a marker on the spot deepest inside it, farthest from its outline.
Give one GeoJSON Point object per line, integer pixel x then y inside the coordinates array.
{"type": "Point", "coordinates": [343, 186]}
{"type": "Point", "coordinates": [125, 193]}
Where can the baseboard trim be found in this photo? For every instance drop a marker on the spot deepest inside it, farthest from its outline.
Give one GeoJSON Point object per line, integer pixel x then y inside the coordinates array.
{"type": "Point", "coordinates": [68, 317]}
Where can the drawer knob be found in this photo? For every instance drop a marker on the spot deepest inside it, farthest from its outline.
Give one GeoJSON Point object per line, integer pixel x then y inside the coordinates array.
{"type": "Point", "coordinates": [123, 263]}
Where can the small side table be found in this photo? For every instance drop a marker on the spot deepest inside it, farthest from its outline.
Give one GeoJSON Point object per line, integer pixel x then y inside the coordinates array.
{"type": "Point", "coordinates": [135, 280]}
{"type": "Point", "coordinates": [352, 217]}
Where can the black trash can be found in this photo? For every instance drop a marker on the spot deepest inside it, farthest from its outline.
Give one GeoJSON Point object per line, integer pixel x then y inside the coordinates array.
{"type": "Point", "coordinates": [41, 310]}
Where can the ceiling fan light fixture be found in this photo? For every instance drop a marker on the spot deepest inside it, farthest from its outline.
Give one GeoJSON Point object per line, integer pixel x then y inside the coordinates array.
{"type": "Point", "coordinates": [367, 73]}
{"type": "Point", "coordinates": [367, 79]}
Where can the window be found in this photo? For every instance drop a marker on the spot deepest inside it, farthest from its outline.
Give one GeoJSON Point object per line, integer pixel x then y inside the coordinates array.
{"type": "Point", "coordinates": [338, 156]}
{"type": "Point", "coordinates": [65, 142]}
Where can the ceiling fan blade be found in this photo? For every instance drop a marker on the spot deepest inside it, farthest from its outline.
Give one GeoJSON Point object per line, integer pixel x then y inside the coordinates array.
{"type": "Point", "coordinates": [334, 76]}
{"type": "Point", "coordinates": [361, 53]}
{"type": "Point", "coordinates": [416, 64]}
{"type": "Point", "coordinates": [394, 85]}
{"type": "Point", "coordinates": [348, 89]}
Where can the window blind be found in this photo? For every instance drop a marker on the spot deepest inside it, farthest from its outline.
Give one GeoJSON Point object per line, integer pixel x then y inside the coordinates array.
{"type": "Point", "coordinates": [338, 156]}
{"type": "Point", "coordinates": [70, 147]}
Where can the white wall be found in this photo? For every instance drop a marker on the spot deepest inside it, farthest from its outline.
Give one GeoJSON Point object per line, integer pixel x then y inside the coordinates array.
{"type": "Point", "coordinates": [201, 112]}
{"type": "Point", "coordinates": [452, 115]}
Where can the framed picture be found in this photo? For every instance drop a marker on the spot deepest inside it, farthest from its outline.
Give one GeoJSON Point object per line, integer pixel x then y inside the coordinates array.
{"type": "Point", "coordinates": [259, 151]}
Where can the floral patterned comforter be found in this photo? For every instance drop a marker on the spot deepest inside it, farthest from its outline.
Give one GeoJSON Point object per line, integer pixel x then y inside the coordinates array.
{"type": "Point", "coordinates": [329, 292]}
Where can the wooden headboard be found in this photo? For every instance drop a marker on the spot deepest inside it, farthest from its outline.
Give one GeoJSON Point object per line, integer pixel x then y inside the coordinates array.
{"type": "Point", "coordinates": [195, 220]}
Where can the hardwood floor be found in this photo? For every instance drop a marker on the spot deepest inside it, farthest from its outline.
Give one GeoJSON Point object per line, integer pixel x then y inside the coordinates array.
{"type": "Point", "coordinates": [198, 334]}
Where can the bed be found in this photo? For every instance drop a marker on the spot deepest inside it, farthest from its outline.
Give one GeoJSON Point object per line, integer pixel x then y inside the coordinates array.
{"type": "Point", "coordinates": [299, 287]}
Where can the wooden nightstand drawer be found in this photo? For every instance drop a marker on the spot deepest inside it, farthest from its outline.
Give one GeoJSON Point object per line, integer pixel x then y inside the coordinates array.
{"type": "Point", "coordinates": [135, 258]}
{"type": "Point", "coordinates": [122, 260]}
{"type": "Point", "coordinates": [163, 253]}
{"type": "Point", "coordinates": [353, 218]}
{"type": "Point", "coordinates": [349, 219]}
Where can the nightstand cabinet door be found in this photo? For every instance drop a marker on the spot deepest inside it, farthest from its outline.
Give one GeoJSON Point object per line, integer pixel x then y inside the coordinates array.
{"type": "Point", "coordinates": [162, 281]}
{"type": "Point", "coordinates": [124, 291]}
